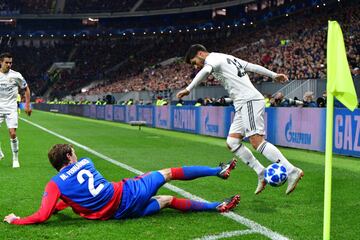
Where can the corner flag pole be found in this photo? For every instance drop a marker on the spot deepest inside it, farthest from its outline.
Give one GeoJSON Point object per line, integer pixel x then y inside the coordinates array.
{"type": "Point", "coordinates": [328, 164]}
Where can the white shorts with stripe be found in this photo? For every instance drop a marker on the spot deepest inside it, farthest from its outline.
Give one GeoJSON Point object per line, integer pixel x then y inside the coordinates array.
{"type": "Point", "coordinates": [249, 120]}
{"type": "Point", "coordinates": [11, 119]}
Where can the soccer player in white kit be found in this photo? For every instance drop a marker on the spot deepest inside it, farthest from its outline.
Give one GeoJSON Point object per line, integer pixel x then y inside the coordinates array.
{"type": "Point", "coordinates": [249, 106]}
{"type": "Point", "coordinates": [10, 82]}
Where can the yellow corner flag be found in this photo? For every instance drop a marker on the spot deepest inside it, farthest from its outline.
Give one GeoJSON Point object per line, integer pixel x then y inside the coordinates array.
{"type": "Point", "coordinates": [339, 84]}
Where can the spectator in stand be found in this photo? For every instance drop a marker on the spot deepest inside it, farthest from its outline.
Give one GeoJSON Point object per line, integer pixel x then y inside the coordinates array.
{"type": "Point", "coordinates": [208, 101]}
{"type": "Point", "coordinates": [356, 71]}
{"type": "Point", "coordinates": [180, 103]}
{"type": "Point", "coordinates": [321, 101]}
{"type": "Point", "coordinates": [281, 101]}
{"type": "Point", "coordinates": [308, 100]}
{"type": "Point", "coordinates": [199, 102]}
{"type": "Point", "coordinates": [268, 98]}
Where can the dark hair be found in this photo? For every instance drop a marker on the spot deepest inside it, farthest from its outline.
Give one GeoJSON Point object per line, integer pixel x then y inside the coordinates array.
{"type": "Point", "coordinates": [193, 50]}
{"type": "Point", "coordinates": [5, 55]}
{"type": "Point", "coordinates": [57, 155]}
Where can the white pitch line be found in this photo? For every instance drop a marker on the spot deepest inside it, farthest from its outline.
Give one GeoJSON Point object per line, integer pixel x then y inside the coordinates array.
{"type": "Point", "coordinates": [255, 227]}
{"type": "Point", "coordinates": [227, 234]}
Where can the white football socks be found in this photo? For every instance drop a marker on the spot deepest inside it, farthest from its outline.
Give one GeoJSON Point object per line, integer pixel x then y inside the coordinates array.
{"type": "Point", "coordinates": [249, 159]}
{"type": "Point", "coordinates": [273, 154]}
{"type": "Point", "coordinates": [14, 148]}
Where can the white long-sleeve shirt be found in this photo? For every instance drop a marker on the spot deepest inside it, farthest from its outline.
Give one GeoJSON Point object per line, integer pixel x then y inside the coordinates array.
{"type": "Point", "coordinates": [231, 72]}
{"type": "Point", "coordinates": [9, 84]}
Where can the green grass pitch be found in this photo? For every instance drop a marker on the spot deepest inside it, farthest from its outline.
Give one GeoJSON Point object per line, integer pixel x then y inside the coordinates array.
{"type": "Point", "coordinates": [297, 216]}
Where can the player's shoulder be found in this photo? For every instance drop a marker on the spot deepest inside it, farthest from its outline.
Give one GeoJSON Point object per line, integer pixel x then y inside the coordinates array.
{"type": "Point", "coordinates": [218, 57]}
{"type": "Point", "coordinates": [215, 56]}
{"type": "Point", "coordinates": [85, 161]}
{"type": "Point", "coordinates": [15, 74]}
{"type": "Point", "coordinates": [214, 59]}
{"type": "Point", "coordinates": [221, 55]}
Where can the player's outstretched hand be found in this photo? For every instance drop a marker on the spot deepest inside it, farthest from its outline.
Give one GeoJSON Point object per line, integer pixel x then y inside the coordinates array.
{"type": "Point", "coordinates": [28, 110]}
{"type": "Point", "coordinates": [182, 93]}
{"type": "Point", "coordinates": [281, 78]}
{"type": "Point", "coordinates": [10, 218]}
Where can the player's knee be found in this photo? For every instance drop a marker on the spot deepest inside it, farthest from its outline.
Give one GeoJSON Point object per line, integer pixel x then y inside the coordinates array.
{"type": "Point", "coordinates": [233, 143]}
{"type": "Point", "coordinates": [256, 140]}
{"type": "Point", "coordinates": [12, 135]}
{"type": "Point", "coordinates": [164, 200]}
{"type": "Point", "coordinates": [166, 173]}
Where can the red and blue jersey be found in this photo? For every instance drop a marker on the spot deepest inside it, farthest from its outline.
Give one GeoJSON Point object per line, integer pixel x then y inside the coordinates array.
{"type": "Point", "coordinates": [81, 187]}
{"type": "Point", "coordinates": [82, 184]}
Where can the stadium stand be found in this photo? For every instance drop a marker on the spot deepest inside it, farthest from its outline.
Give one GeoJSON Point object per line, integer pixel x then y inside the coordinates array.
{"type": "Point", "coordinates": [294, 46]}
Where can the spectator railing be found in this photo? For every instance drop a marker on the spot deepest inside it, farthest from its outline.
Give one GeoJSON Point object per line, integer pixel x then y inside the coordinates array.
{"type": "Point", "coordinates": [297, 88]}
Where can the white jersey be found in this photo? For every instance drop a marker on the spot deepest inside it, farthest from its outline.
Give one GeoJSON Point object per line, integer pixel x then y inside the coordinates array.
{"type": "Point", "coordinates": [9, 88]}
{"type": "Point", "coordinates": [230, 71]}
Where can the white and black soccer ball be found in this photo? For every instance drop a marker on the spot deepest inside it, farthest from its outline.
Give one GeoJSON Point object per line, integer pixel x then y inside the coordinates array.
{"type": "Point", "coordinates": [275, 174]}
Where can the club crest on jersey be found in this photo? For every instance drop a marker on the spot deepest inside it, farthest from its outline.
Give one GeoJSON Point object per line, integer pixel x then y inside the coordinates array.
{"type": "Point", "coordinates": [12, 80]}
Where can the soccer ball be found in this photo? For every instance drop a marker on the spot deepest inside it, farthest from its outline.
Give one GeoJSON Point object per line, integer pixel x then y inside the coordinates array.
{"type": "Point", "coordinates": [275, 174]}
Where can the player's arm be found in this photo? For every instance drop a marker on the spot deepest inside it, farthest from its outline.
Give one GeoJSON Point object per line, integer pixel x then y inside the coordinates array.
{"type": "Point", "coordinates": [24, 86]}
{"type": "Point", "coordinates": [200, 76]}
{"type": "Point", "coordinates": [27, 101]}
{"type": "Point", "coordinates": [265, 72]}
{"type": "Point", "coordinates": [48, 204]}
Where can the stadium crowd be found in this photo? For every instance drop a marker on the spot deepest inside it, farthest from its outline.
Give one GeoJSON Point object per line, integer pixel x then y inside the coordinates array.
{"type": "Point", "coordinates": [295, 47]}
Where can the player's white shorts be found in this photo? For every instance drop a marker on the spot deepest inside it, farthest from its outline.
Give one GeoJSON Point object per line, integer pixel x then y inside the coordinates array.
{"type": "Point", "coordinates": [249, 120]}
{"type": "Point", "coordinates": [11, 119]}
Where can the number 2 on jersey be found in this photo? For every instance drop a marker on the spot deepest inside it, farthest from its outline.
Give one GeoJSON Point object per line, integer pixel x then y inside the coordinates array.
{"type": "Point", "coordinates": [240, 69]}
{"type": "Point", "coordinates": [94, 191]}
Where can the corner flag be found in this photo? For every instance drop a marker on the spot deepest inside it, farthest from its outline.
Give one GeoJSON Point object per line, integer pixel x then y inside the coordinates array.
{"type": "Point", "coordinates": [339, 84]}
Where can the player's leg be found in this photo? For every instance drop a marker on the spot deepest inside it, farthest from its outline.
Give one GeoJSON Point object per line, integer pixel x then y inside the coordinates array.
{"type": "Point", "coordinates": [272, 153]}
{"type": "Point", "coordinates": [2, 117]}
{"type": "Point", "coordinates": [138, 193]}
{"type": "Point", "coordinates": [14, 142]}
{"type": "Point", "coordinates": [152, 207]}
{"type": "Point", "coordinates": [186, 205]}
{"type": "Point", "coordinates": [267, 149]}
{"type": "Point", "coordinates": [18, 108]}
{"type": "Point", "coordinates": [193, 172]}
{"type": "Point", "coordinates": [233, 141]}
{"type": "Point", "coordinates": [12, 124]}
